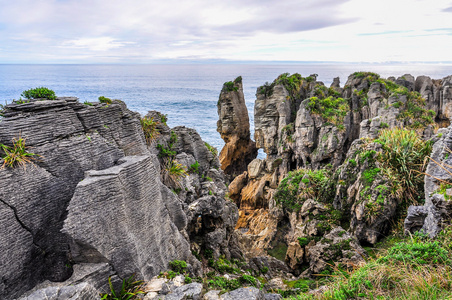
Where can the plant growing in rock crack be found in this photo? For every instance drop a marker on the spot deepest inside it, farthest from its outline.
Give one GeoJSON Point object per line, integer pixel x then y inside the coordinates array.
{"type": "Point", "coordinates": [150, 130]}
{"type": "Point", "coordinates": [16, 155]}
{"type": "Point", "coordinates": [105, 100]}
{"type": "Point", "coordinates": [194, 168]}
{"type": "Point", "coordinates": [130, 289]}
{"type": "Point", "coordinates": [212, 149]}
{"type": "Point", "coordinates": [39, 93]}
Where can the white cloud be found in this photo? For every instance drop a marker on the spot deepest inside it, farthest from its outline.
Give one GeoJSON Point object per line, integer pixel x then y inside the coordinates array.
{"type": "Point", "coordinates": [142, 31]}
{"type": "Point", "coordinates": [94, 44]}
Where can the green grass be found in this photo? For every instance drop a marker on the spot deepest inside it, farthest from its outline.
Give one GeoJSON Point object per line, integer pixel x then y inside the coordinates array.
{"type": "Point", "coordinates": [130, 290]}
{"type": "Point", "coordinates": [149, 127]}
{"type": "Point", "coordinates": [16, 155]}
{"type": "Point", "coordinates": [401, 267]}
{"type": "Point", "coordinates": [105, 100]}
{"type": "Point", "coordinates": [402, 161]}
{"type": "Point", "coordinates": [212, 149]}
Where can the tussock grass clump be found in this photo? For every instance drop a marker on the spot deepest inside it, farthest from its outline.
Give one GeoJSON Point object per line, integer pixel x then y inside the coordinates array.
{"type": "Point", "coordinates": [403, 160]}
{"type": "Point", "coordinates": [130, 289]}
{"type": "Point", "coordinates": [150, 130]}
{"type": "Point", "coordinates": [16, 155]}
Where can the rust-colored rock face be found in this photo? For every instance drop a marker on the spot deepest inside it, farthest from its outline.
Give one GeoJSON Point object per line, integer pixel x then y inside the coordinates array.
{"type": "Point", "coordinates": [234, 127]}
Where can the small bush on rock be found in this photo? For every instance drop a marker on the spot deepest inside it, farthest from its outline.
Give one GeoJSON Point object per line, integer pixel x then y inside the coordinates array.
{"type": "Point", "coordinates": [106, 100]}
{"type": "Point", "coordinates": [39, 93]}
{"type": "Point", "coordinates": [178, 266]}
{"type": "Point", "coordinates": [150, 130]}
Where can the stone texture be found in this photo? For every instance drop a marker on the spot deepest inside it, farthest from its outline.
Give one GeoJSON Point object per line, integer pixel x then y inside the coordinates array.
{"type": "Point", "coordinates": [246, 293]}
{"type": "Point", "coordinates": [97, 176]}
{"type": "Point", "coordinates": [68, 146]}
{"type": "Point", "coordinates": [234, 128]}
{"type": "Point", "coordinates": [267, 118]}
{"type": "Point", "coordinates": [438, 207]}
{"type": "Point", "coordinates": [130, 237]}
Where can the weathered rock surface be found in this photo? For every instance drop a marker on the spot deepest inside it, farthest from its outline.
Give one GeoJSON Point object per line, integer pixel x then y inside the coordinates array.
{"type": "Point", "coordinates": [234, 128]}
{"type": "Point", "coordinates": [97, 176]}
{"type": "Point", "coordinates": [438, 207]}
{"type": "Point", "coordinates": [128, 238]}
{"type": "Point", "coordinates": [296, 132]}
{"type": "Point", "coordinates": [246, 293]}
{"type": "Point", "coordinates": [70, 138]}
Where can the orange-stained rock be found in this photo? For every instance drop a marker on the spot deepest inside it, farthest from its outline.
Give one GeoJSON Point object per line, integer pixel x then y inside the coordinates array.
{"type": "Point", "coordinates": [234, 127]}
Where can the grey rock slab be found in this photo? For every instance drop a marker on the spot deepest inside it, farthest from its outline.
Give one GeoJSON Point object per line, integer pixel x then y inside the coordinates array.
{"type": "Point", "coordinates": [121, 213]}
{"type": "Point", "coordinates": [246, 293]}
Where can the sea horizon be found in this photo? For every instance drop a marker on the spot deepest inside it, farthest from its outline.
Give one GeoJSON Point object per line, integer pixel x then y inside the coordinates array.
{"type": "Point", "coordinates": [186, 92]}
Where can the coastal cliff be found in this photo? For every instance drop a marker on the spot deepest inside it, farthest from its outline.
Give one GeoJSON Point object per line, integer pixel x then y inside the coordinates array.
{"type": "Point", "coordinates": [104, 194]}
{"type": "Point", "coordinates": [94, 198]}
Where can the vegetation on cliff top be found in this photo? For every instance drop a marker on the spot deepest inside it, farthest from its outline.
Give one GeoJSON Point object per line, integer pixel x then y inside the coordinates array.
{"type": "Point", "coordinates": [39, 93]}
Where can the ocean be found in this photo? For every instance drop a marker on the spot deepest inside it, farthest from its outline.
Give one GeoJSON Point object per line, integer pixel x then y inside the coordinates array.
{"type": "Point", "coordinates": [187, 93]}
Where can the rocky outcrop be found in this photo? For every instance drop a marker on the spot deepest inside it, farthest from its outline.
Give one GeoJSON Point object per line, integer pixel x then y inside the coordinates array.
{"type": "Point", "coordinates": [130, 237]}
{"type": "Point", "coordinates": [437, 209]}
{"type": "Point", "coordinates": [96, 194]}
{"type": "Point", "coordinates": [234, 128]}
{"type": "Point", "coordinates": [300, 123]}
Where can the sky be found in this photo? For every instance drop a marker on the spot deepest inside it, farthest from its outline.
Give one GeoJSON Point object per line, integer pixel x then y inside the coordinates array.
{"type": "Point", "coordinates": [166, 31]}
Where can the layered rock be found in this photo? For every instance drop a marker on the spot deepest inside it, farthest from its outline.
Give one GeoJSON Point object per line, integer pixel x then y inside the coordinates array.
{"type": "Point", "coordinates": [96, 194]}
{"type": "Point", "coordinates": [300, 123]}
{"type": "Point", "coordinates": [437, 210]}
{"type": "Point", "coordinates": [234, 128]}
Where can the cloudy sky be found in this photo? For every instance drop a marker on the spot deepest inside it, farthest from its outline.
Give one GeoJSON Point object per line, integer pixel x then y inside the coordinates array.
{"type": "Point", "coordinates": [147, 31]}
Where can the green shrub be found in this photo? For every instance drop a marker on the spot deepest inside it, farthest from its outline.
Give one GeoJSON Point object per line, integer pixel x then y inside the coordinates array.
{"type": "Point", "coordinates": [332, 109]}
{"type": "Point", "coordinates": [303, 241]}
{"type": "Point", "coordinates": [39, 93]}
{"type": "Point", "coordinates": [248, 280]}
{"type": "Point", "coordinates": [223, 283]}
{"type": "Point", "coordinates": [188, 280]}
{"type": "Point", "coordinates": [178, 266]}
{"type": "Point", "coordinates": [194, 168]}
{"type": "Point", "coordinates": [105, 100]}
{"type": "Point", "coordinates": [229, 86]}
{"type": "Point", "coordinates": [17, 154]}
{"type": "Point", "coordinates": [168, 152]}
{"type": "Point", "coordinates": [264, 270]}
{"type": "Point", "coordinates": [130, 289]}
{"type": "Point", "coordinates": [319, 186]}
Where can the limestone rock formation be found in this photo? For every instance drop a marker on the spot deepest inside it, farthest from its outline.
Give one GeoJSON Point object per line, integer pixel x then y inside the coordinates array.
{"type": "Point", "coordinates": [300, 123]}
{"type": "Point", "coordinates": [438, 207]}
{"type": "Point", "coordinates": [96, 194]}
{"type": "Point", "coordinates": [234, 128]}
